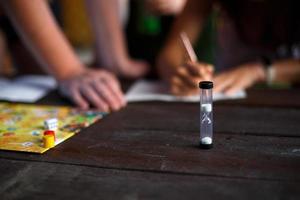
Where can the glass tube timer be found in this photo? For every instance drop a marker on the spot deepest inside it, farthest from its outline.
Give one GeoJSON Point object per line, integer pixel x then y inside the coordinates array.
{"type": "Point", "coordinates": [206, 116]}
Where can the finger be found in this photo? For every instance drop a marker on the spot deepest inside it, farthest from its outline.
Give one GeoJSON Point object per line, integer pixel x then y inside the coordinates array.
{"type": "Point", "coordinates": [200, 69]}
{"type": "Point", "coordinates": [111, 79]}
{"type": "Point", "coordinates": [210, 68]}
{"type": "Point", "coordinates": [221, 82]}
{"type": "Point", "coordinates": [105, 92]}
{"type": "Point", "coordinates": [188, 91]}
{"type": "Point", "coordinates": [188, 79]}
{"type": "Point", "coordinates": [233, 88]}
{"type": "Point", "coordinates": [192, 83]}
{"type": "Point", "coordinates": [177, 81]}
{"type": "Point", "coordinates": [111, 82]}
{"type": "Point", "coordinates": [194, 68]}
{"type": "Point", "coordinates": [180, 89]}
{"type": "Point", "coordinates": [205, 74]}
{"type": "Point", "coordinates": [77, 98]}
{"type": "Point", "coordinates": [91, 95]}
{"type": "Point", "coordinates": [176, 85]}
{"type": "Point", "coordinates": [117, 94]}
{"type": "Point", "coordinates": [175, 90]}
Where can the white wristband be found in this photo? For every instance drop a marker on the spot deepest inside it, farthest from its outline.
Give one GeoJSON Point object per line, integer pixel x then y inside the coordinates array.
{"type": "Point", "coordinates": [270, 75]}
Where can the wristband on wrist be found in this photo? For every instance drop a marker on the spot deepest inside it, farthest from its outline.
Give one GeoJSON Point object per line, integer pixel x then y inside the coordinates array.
{"type": "Point", "coordinates": [269, 69]}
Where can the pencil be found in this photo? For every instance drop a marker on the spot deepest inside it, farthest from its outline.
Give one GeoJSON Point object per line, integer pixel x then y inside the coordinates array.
{"type": "Point", "coordinates": [188, 47]}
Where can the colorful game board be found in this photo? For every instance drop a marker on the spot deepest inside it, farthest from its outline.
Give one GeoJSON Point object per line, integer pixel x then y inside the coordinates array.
{"type": "Point", "coordinates": [22, 125]}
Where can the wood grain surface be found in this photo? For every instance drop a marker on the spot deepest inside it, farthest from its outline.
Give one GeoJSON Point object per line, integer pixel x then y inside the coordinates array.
{"type": "Point", "coordinates": [150, 151]}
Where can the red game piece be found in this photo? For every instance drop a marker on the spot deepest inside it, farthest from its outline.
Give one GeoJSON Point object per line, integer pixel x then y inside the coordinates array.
{"type": "Point", "coordinates": [50, 132]}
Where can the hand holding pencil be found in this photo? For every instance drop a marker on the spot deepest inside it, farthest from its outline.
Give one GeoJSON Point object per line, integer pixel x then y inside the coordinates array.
{"type": "Point", "coordinates": [185, 80]}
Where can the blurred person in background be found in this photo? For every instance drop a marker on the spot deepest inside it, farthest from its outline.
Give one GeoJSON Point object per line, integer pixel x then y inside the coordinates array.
{"type": "Point", "coordinates": [40, 32]}
{"type": "Point", "coordinates": [109, 24]}
{"type": "Point", "coordinates": [257, 41]}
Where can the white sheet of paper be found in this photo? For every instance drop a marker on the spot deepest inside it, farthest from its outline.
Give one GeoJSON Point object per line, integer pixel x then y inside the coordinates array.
{"type": "Point", "coordinates": [26, 88]}
{"type": "Point", "coordinates": [144, 90]}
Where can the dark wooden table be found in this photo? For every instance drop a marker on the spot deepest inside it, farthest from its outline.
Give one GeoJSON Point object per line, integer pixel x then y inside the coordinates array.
{"type": "Point", "coordinates": [150, 151]}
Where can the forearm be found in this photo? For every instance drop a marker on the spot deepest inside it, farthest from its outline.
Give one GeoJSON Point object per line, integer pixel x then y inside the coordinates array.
{"type": "Point", "coordinates": [286, 71]}
{"type": "Point", "coordinates": [190, 21]}
{"type": "Point", "coordinates": [37, 28]}
{"type": "Point", "coordinates": [111, 48]}
{"type": "Point", "coordinates": [281, 71]}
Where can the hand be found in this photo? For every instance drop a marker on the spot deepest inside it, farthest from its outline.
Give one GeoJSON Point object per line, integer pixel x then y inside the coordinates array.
{"type": "Point", "coordinates": [96, 88]}
{"type": "Point", "coordinates": [132, 69]}
{"type": "Point", "coordinates": [165, 7]}
{"type": "Point", "coordinates": [184, 79]}
{"type": "Point", "coordinates": [239, 78]}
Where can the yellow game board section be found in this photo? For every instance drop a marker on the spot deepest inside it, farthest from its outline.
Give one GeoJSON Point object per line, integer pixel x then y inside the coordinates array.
{"type": "Point", "coordinates": [22, 125]}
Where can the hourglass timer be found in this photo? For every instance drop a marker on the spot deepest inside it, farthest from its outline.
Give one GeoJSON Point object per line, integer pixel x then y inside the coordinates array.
{"type": "Point", "coordinates": [206, 116]}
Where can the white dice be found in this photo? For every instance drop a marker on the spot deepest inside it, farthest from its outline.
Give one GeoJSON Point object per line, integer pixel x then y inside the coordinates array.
{"type": "Point", "coordinates": [51, 124]}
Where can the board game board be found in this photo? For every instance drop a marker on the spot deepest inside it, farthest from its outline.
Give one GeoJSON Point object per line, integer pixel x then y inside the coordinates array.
{"type": "Point", "coordinates": [22, 125]}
